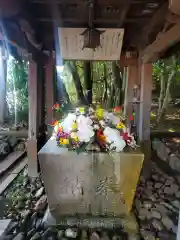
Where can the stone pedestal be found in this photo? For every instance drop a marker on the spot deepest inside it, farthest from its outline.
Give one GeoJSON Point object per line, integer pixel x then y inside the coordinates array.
{"type": "Point", "coordinates": [91, 184]}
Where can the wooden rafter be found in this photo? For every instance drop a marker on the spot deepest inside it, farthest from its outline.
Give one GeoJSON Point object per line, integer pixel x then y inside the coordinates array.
{"type": "Point", "coordinates": [157, 19]}
{"type": "Point", "coordinates": [162, 43]}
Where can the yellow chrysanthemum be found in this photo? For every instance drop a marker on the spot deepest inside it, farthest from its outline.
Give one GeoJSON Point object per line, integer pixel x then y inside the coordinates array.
{"type": "Point", "coordinates": [74, 126]}
{"type": "Point", "coordinates": [82, 110]}
{"type": "Point", "coordinates": [74, 137]}
{"type": "Point", "coordinates": [64, 141]}
{"type": "Point", "coordinates": [120, 126]}
{"type": "Point", "coordinates": [100, 113]}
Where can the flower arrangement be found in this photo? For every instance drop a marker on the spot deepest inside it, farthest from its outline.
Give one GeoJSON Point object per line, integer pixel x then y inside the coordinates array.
{"type": "Point", "coordinates": [89, 128]}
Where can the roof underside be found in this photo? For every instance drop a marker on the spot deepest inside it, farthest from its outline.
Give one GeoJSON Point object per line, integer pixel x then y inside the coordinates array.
{"type": "Point", "coordinates": [132, 15]}
{"type": "Point", "coordinates": [141, 19]}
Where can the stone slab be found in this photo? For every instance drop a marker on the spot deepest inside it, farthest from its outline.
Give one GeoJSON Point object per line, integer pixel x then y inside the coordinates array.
{"type": "Point", "coordinates": [3, 226]}
{"type": "Point", "coordinates": [9, 160]}
{"type": "Point", "coordinates": [48, 219]}
{"type": "Point", "coordinates": [11, 177]}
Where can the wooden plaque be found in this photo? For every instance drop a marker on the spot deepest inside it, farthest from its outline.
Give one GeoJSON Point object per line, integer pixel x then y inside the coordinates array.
{"type": "Point", "coordinates": [71, 44]}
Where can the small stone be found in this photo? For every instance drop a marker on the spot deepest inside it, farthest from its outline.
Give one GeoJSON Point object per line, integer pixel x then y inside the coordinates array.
{"type": "Point", "coordinates": [169, 206]}
{"type": "Point", "coordinates": [158, 185]}
{"type": "Point", "coordinates": [36, 236]}
{"type": "Point", "coordinates": [94, 236]}
{"type": "Point", "coordinates": [162, 209]}
{"type": "Point", "coordinates": [147, 235]}
{"type": "Point", "coordinates": [175, 229]}
{"type": "Point", "coordinates": [60, 233]}
{"type": "Point", "coordinates": [164, 236]}
{"type": "Point", "coordinates": [31, 233]}
{"type": "Point", "coordinates": [20, 236]}
{"type": "Point", "coordinates": [156, 215]}
{"type": "Point", "coordinates": [104, 236]}
{"type": "Point", "coordinates": [157, 225]}
{"type": "Point", "coordinates": [40, 192]}
{"type": "Point", "coordinates": [175, 188]}
{"type": "Point", "coordinates": [11, 227]}
{"type": "Point", "coordinates": [41, 203]}
{"type": "Point", "coordinates": [177, 194]}
{"type": "Point", "coordinates": [137, 204]}
{"type": "Point", "coordinates": [168, 190]}
{"type": "Point", "coordinates": [38, 224]}
{"type": "Point", "coordinates": [143, 214]}
{"type": "Point", "coordinates": [176, 203]}
{"type": "Point", "coordinates": [13, 141]}
{"type": "Point", "coordinates": [20, 147]}
{"type": "Point", "coordinates": [147, 205]}
{"type": "Point", "coordinates": [46, 234]}
{"type": "Point", "coordinates": [70, 233]}
{"type": "Point", "coordinates": [167, 222]}
{"type": "Point", "coordinates": [155, 177]}
{"type": "Point", "coordinates": [4, 148]}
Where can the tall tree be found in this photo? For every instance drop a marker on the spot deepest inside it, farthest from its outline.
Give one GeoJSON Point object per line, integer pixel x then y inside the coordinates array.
{"type": "Point", "coordinates": [79, 89]}
{"type": "Point", "coordinates": [88, 81]}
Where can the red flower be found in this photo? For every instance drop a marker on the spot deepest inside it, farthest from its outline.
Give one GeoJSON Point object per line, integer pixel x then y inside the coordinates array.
{"type": "Point", "coordinates": [117, 109]}
{"type": "Point", "coordinates": [131, 118]}
{"type": "Point", "coordinates": [126, 137]}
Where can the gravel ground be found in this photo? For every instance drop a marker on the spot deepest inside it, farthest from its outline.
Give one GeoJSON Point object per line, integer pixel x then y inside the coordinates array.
{"type": "Point", "coordinates": [25, 203]}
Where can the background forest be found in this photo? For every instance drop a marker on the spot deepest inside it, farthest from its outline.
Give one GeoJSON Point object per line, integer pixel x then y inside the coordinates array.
{"type": "Point", "coordinates": [105, 82]}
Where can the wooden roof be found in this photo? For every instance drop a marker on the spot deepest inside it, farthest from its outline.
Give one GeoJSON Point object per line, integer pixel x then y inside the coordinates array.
{"type": "Point", "coordinates": [133, 15]}
{"type": "Point", "coordinates": [141, 19]}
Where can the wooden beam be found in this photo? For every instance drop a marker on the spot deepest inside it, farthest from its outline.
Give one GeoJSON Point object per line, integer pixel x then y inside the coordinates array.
{"type": "Point", "coordinates": [50, 98]}
{"type": "Point", "coordinates": [129, 59]}
{"type": "Point", "coordinates": [157, 19]}
{"type": "Point", "coordinates": [161, 44]}
{"type": "Point", "coordinates": [174, 6]}
{"type": "Point", "coordinates": [95, 21]}
{"type": "Point", "coordinates": [124, 12]}
{"type": "Point", "coordinates": [102, 2]}
{"type": "Point", "coordinates": [32, 132]}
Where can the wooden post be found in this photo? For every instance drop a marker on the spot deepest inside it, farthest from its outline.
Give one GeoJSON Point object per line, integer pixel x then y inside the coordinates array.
{"type": "Point", "coordinates": [41, 99]}
{"type": "Point", "coordinates": [32, 133]}
{"type": "Point", "coordinates": [145, 106]}
{"type": "Point", "coordinates": [132, 80]}
{"type": "Point", "coordinates": [49, 78]}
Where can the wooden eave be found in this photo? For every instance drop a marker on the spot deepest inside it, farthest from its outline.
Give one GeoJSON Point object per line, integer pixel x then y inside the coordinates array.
{"type": "Point", "coordinates": [142, 20]}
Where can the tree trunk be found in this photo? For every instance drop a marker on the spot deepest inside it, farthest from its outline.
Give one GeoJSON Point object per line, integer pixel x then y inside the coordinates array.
{"type": "Point", "coordinates": [117, 83]}
{"type": "Point", "coordinates": [88, 81]}
{"type": "Point", "coordinates": [162, 92]}
{"type": "Point", "coordinates": [105, 95]}
{"type": "Point", "coordinates": [3, 105]}
{"type": "Point", "coordinates": [167, 94]}
{"type": "Point", "coordinates": [77, 82]}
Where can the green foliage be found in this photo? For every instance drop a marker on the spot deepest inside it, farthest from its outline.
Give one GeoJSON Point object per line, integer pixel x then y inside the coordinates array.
{"type": "Point", "coordinates": [163, 68]}
{"type": "Point", "coordinates": [17, 89]}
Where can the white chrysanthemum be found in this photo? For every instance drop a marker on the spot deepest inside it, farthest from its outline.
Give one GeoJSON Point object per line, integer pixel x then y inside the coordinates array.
{"type": "Point", "coordinates": [113, 137]}
{"type": "Point", "coordinates": [85, 133]}
{"type": "Point", "coordinates": [82, 120]}
{"type": "Point", "coordinates": [68, 122]}
{"type": "Point", "coordinates": [112, 118]}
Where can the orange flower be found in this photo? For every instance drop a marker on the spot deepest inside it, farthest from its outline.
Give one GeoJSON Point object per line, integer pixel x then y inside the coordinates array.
{"type": "Point", "coordinates": [54, 123]}
{"type": "Point", "coordinates": [56, 106]}
{"type": "Point", "coordinates": [101, 136]}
